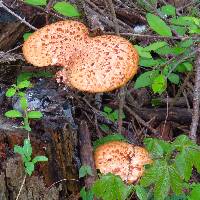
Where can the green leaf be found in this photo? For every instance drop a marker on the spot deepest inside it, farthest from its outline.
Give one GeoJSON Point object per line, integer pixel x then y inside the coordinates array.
{"type": "Point", "coordinates": [179, 29]}
{"type": "Point", "coordinates": [141, 192]}
{"type": "Point", "coordinates": [86, 195]}
{"type": "Point", "coordinates": [107, 109]}
{"type": "Point", "coordinates": [186, 43]}
{"type": "Point", "coordinates": [111, 187]}
{"type": "Point", "coordinates": [19, 150]}
{"type": "Point", "coordinates": [29, 168]}
{"type": "Point", "coordinates": [158, 25]}
{"type": "Point", "coordinates": [166, 50]}
{"type": "Point", "coordinates": [24, 84]}
{"type": "Point", "coordinates": [11, 92]}
{"type": "Point", "coordinates": [162, 185]}
{"type": "Point", "coordinates": [66, 9]}
{"type": "Point", "coordinates": [146, 79]}
{"type": "Point", "coordinates": [23, 103]}
{"type": "Point", "coordinates": [157, 148]}
{"type": "Point", "coordinates": [24, 76]}
{"type": "Point", "coordinates": [146, 62]}
{"type": "Point", "coordinates": [195, 193]}
{"type": "Point", "coordinates": [36, 2]}
{"type": "Point", "coordinates": [27, 148]}
{"type": "Point", "coordinates": [39, 159]}
{"type": "Point", "coordinates": [108, 138]}
{"type": "Point", "coordinates": [182, 142]}
{"type": "Point", "coordinates": [154, 46]}
{"type": "Point", "coordinates": [84, 171]}
{"type": "Point", "coordinates": [175, 180]}
{"type": "Point", "coordinates": [183, 163]}
{"type": "Point", "coordinates": [26, 36]}
{"type": "Point", "coordinates": [104, 128]}
{"type": "Point", "coordinates": [174, 78]}
{"type": "Point", "coordinates": [13, 114]}
{"type": "Point", "coordinates": [34, 115]}
{"type": "Point", "coordinates": [184, 67]}
{"type": "Point", "coordinates": [142, 53]}
{"type": "Point", "coordinates": [159, 84]}
{"type": "Point", "coordinates": [168, 10]}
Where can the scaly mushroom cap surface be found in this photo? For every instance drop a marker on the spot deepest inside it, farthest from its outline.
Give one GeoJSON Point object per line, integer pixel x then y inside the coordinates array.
{"type": "Point", "coordinates": [91, 64]}
{"type": "Point", "coordinates": [123, 159]}
{"type": "Point", "coordinates": [55, 43]}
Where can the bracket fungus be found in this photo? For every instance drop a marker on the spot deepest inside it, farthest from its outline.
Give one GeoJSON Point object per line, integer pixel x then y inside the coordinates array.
{"type": "Point", "coordinates": [91, 64]}
{"type": "Point", "coordinates": [123, 159]}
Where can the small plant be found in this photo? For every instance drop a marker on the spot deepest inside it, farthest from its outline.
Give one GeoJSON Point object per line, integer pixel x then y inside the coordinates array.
{"type": "Point", "coordinates": [26, 152]}
{"type": "Point", "coordinates": [111, 114]}
{"type": "Point", "coordinates": [172, 167]}
{"type": "Point", "coordinates": [155, 57]}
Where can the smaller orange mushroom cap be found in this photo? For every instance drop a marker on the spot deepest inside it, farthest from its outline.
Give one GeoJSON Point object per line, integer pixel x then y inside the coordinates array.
{"type": "Point", "coordinates": [123, 159]}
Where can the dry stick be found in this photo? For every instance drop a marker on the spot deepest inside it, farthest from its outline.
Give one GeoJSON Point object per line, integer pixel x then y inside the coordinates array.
{"type": "Point", "coordinates": [17, 16]}
{"type": "Point", "coordinates": [139, 119]}
{"type": "Point", "coordinates": [196, 99]}
{"type": "Point", "coordinates": [23, 182]}
{"type": "Point", "coordinates": [122, 90]}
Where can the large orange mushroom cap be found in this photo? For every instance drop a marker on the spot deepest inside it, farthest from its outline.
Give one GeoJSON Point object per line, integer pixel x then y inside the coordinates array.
{"type": "Point", "coordinates": [91, 64]}
{"type": "Point", "coordinates": [123, 159]}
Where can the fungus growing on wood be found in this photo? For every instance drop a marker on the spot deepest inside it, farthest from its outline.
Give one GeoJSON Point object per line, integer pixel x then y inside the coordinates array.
{"type": "Point", "coordinates": [123, 159]}
{"type": "Point", "coordinates": [92, 64]}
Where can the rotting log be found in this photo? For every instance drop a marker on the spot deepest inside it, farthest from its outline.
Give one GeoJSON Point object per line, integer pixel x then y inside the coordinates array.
{"type": "Point", "coordinates": [52, 180]}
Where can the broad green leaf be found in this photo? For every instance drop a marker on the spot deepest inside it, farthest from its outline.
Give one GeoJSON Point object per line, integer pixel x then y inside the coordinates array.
{"type": "Point", "coordinates": [174, 78]}
{"type": "Point", "coordinates": [154, 46]}
{"type": "Point", "coordinates": [86, 195]}
{"type": "Point", "coordinates": [34, 115]}
{"type": "Point", "coordinates": [186, 43]}
{"type": "Point", "coordinates": [150, 174]}
{"type": "Point", "coordinates": [183, 163]}
{"type": "Point", "coordinates": [29, 168]}
{"type": "Point", "coordinates": [166, 50]}
{"type": "Point", "coordinates": [142, 53]}
{"type": "Point", "coordinates": [13, 114]}
{"type": "Point", "coordinates": [26, 36]}
{"type": "Point", "coordinates": [146, 79]}
{"type": "Point", "coordinates": [39, 159]}
{"type": "Point", "coordinates": [158, 25]}
{"type": "Point", "coordinates": [179, 29]}
{"type": "Point", "coordinates": [195, 193]}
{"type": "Point", "coordinates": [168, 10]}
{"type": "Point", "coordinates": [141, 193]}
{"type": "Point", "coordinates": [162, 185]}
{"type": "Point", "coordinates": [182, 142]}
{"type": "Point", "coordinates": [18, 149]}
{"type": "Point", "coordinates": [11, 92]}
{"type": "Point", "coordinates": [177, 197]}
{"type": "Point", "coordinates": [156, 147]}
{"type": "Point", "coordinates": [184, 67]}
{"type": "Point", "coordinates": [195, 154]}
{"type": "Point", "coordinates": [107, 109]}
{"type": "Point", "coordinates": [109, 138]}
{"type": "Point", "coordinates": [111, 187]}
{"type": "Point", "coordinates": [66, 9]}
{"type": "Point", "coordinates": [175, 180]}
{"type": "Point", "coordinates": [24, 84]}
{"type": "Point", "coordinates": [180, 21]}
{"type": "Point", "coordinates": [148, 62]}
{"type": "Point", "coordinates": [36, 2]}
{"type": "Point", "coordinates": [23, 103]}
{"type": "Point", "coordinates": [84, 171]}
{"type": "Point", "coordinates": [27, 148]}
{"type": "Point", "coordinates": [159, 84]}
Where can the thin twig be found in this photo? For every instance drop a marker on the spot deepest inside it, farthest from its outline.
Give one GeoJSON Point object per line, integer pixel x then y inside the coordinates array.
{"type": "Point", "coordinates": [17, 16]}
{"type": "Point", "coordinates": [167, 114]}
{"type": "Point", "coordinates": [22, 185]}
{"type": "Point", "coordinates": [196, 99]}
{"type": "Point", "coordinates": [139, 119]}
